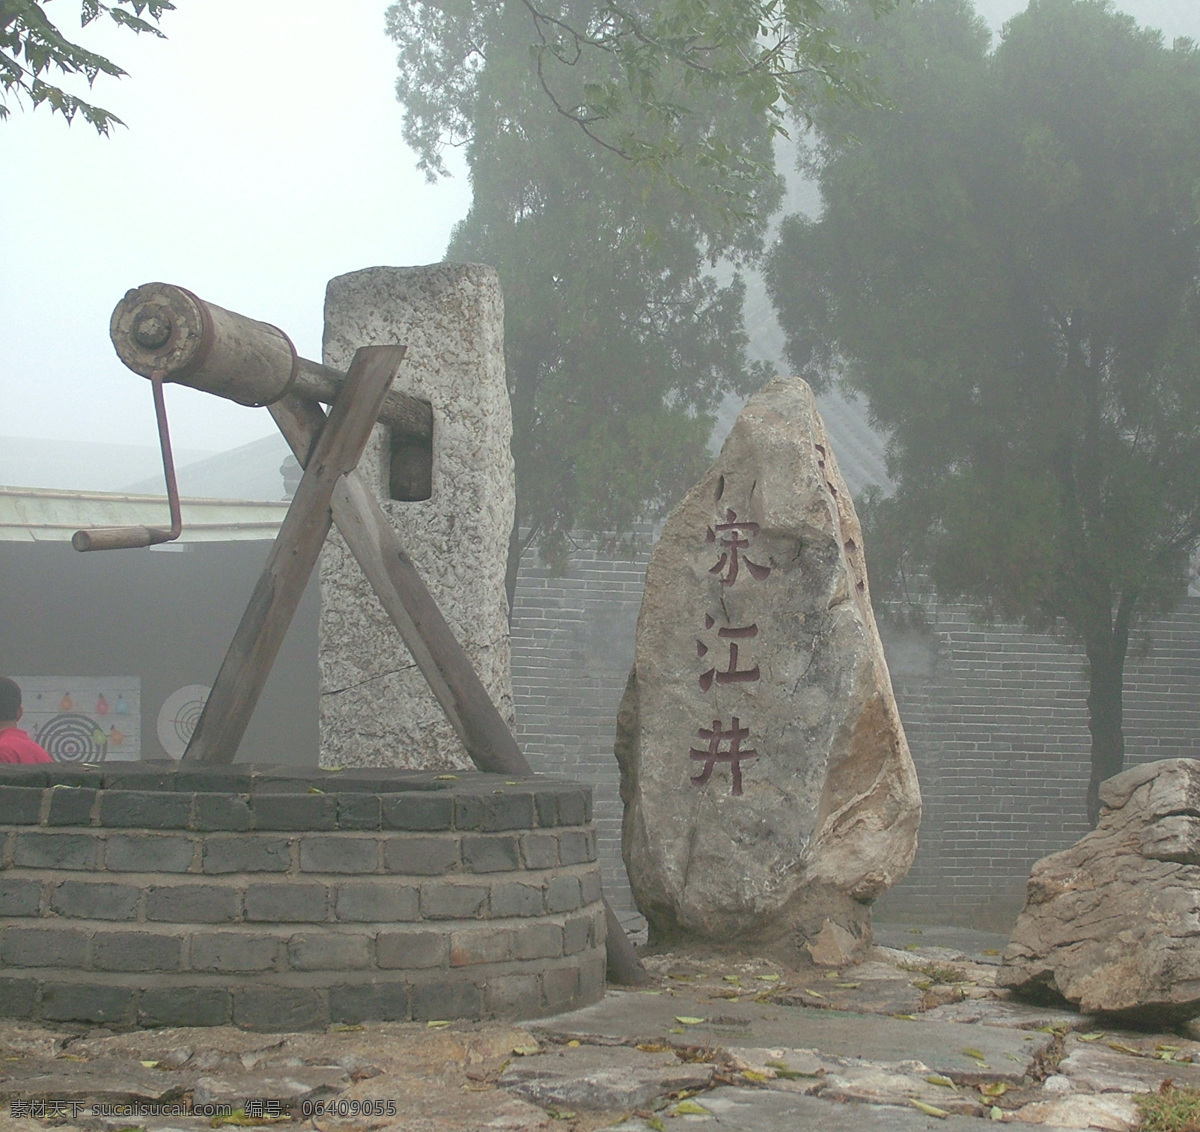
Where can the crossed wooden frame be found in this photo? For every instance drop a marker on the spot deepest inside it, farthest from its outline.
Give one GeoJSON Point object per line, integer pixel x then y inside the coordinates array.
{"type": "Point", "coordinates": [331, 492]}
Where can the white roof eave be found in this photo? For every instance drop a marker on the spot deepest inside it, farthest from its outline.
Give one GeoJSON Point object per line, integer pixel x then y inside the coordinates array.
{"type": "Point", "coordinates": [46, 515]}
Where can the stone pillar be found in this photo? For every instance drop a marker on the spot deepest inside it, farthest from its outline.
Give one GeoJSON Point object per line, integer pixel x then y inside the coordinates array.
{"type": "Point", "coordinates": [376, 709]}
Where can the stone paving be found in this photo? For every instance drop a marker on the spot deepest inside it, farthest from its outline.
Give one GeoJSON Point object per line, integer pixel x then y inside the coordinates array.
{"type": "Point", "coordinates": [914, 1039]}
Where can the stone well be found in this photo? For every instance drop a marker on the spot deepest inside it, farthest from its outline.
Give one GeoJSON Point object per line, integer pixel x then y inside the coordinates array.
{"type": "Point", "coordinates": [287, 898]}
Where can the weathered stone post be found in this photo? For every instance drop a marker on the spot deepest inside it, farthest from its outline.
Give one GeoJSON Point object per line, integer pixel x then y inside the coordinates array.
{"type": "Point", "coordinates": [452, 507]}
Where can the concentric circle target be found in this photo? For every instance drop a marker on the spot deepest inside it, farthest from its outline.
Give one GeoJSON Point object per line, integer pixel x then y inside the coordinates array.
{"type": "Point", "coordinates": [178, 717]}
{"type": "Point", "coordinates": [73, 738]}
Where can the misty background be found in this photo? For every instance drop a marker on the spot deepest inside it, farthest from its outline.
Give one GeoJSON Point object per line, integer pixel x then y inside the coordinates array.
{"type": "Point", "coordinates": [262, 156]}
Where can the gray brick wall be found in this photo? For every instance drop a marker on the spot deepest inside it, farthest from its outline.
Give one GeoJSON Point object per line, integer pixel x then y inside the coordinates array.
{"type": "Point", "coordinates": [491, 906]}
{"type": "Point", "coordinates": [995, 717]}
{"type": "Point", "coordinates": [572, 648]}
{"type": "Point", "coordinates": [997, 722]}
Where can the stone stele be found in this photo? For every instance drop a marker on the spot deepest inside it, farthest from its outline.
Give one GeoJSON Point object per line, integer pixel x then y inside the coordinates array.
{"type": "Point", "coordinates": [769, 792]}
{"type": "Point", "coordinates": [376, 709]}
{"type": "Point", "coordinates": [1113, 923]}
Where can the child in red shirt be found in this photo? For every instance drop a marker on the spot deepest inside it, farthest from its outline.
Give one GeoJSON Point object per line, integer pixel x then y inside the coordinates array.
{"type": "Point", "coordinates": [15, 745]}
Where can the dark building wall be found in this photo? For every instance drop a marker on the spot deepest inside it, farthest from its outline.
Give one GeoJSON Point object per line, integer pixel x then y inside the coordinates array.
{"type": "Point", "coordinates": [164, 616]}
{"type": "Point", "coordinates": [996, 719]}
{"type": "Point", "coordinates": [997, 722]}
{"type": "Point", "coordinates": [572, 649]}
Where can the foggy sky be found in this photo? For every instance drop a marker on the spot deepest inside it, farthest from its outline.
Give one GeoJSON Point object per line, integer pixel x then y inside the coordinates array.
{"type": "Point", "coordinates": [262, 157]}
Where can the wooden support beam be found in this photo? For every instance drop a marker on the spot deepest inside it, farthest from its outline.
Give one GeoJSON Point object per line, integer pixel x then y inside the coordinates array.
{"type": "Point", "coordinates": [329, 455]}
{"type": "Point", "coordinates": [442, 661]}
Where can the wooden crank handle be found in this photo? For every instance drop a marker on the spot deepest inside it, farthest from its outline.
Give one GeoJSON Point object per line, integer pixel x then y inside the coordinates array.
{"type": "Point", "coordinates": [119, 538]}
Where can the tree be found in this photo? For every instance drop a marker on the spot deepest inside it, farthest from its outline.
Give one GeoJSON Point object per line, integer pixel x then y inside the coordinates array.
{"type": "Point", "coordinates": [619, 340]}
{"type": "Point", "coordinates": [1008, 266]}
{"type": "Point", "coordinates": [628, 74]}
{"type": "Point", "coordinates": [31, 45]}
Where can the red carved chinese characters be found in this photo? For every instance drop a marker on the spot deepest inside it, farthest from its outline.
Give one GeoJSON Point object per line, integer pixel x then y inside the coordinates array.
{"type": "Point", "coordinates": [733, 754]}
{"type": "Point", "coordinates": [732, 674]}
{"type": "Point", "coordinates": [734, 536]}
{"type": "Point", "coordinates": [724, 745]}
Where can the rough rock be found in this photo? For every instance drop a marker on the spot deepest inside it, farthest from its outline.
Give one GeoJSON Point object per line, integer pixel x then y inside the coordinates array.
{"type": "Point", "coordinates": [1112, 1112]}
{"type": "Point", "coordinates": [602, 1079]}
{"type": "Point", "coordinates": [1095, 1068]}
{"type": "Point", "coordinates": [1113, 923]}
{"type": "Point", "coordinates": [104, 1080]}
{"type": "Point", "coordinates": [768, 786]}
{"type": "Point", "coordinates": [451, 318]}
{"type": "Point", "coordinates": [290, 1088]}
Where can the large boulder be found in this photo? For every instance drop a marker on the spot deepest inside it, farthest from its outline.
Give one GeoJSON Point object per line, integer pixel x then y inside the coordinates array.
{"type": "Point", "coordinates": [769, 792]}
{"type": "Point", "coordinates": [1113, 923]}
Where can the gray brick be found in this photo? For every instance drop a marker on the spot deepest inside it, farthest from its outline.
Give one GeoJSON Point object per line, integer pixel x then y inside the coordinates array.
{"type": "Point", "coordinates": [235, 951]}
{"type": "Point", "coordinates": [148, 852]}
{"type": "Point", "coordinates": [329, 951]}
{"type": "Point", "coordinates": [418, 810]}
{"type": "Point", "coordinates": [471, 946]}
{"type": "Point", "coordinates": [513, 898]}
{"type": "Point", "coordinates": [287, 903]}
{"type": "Point", "coordinates": [193, 904]}
{"type": "Point", "coordinates": [561, 985]}
{"type": "Point", "coordinates": [19, 897]}
{"type": "Point", "coordinates": [246, 853]}
{"type": "Point", "coordinates": [56, 850]}
{"type": "Point", "coordinates": [17, 997]}
{"type": "Point", "coordinates": [576, 934]}
{"type": "Point", "coordinates": [575, 806]}
{"type": "Point", "coordinates": [138, 777]}
{"type": "Point", "coordinates": [44, 947]}
{"type": "Point", "coordinates": [490, 854]}
{"type": "Point", "coordinates": [381, 1000]}
{"type": "Point", "coordinates": [513, 996]}
{"type": "Point", "coordinates": [136, 951]}
{"type": "Point", "coordinates": [279, 1008]}
{"type": "Point", "coordinates": [447, 998]}
{"type": "Point", "coordinates": [295, 811]}
{"type": "Point", "coordinates": [576, 847]}
{"type": "Point", "coordinates": [546, 804]}
{"type": "Point", "coordinates": [590, 883]}
{"type": "Point", "coordinates": [222, 811]}
{"type": "Point", "coordinates": [540, 850]}
{"type": "Point", "coordinates": [445, 900]}
{"type": "Point", "coordinates": [538, 941]}
{"type": "Point", "coordinates": [185, 1006]}
{"type": "Point", "coordinates": [469, 811]}
{"type": "Point", "coordinates": [505, 809]}
{"type": "Point", "coordinates": [20, 805]}
{"type": "Point", "coordinates": [70, 805]}
{"type": "Point", "coordinates": [421, 856]}
{"type": "Point", "coordinates": [85, 1002]}
{"type": "Point", "coordinates": [591, 977]}
{"type": "Point", "coordinates": [358, 811]}
{"type": "Point", "coordinates": [599, 927]}
{"type": "Point", "coordinates": [412, 950]}
{"type": "Point", "coordinates": [339, 854]}
{"type": "Point", "coordinates": [145, 809]}
{"type": "Point", "coordinates": [385, 901]}
{"type": "Point", "coordinates": [98, 901]}
{"type": "Point", "coordinates": [563, 894]}
{"type": "Point", "coordinates": [214, 781]}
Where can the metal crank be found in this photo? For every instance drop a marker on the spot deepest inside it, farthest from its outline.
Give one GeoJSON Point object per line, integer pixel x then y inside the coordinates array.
{"type": "Point", "coordinates": [124, 538]}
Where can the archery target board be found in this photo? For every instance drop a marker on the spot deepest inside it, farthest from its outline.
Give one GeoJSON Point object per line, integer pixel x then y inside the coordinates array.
{"type": "Point", "coordinates": [84, 719]}
{"type": "Point", "coordinates": [178, 716]}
